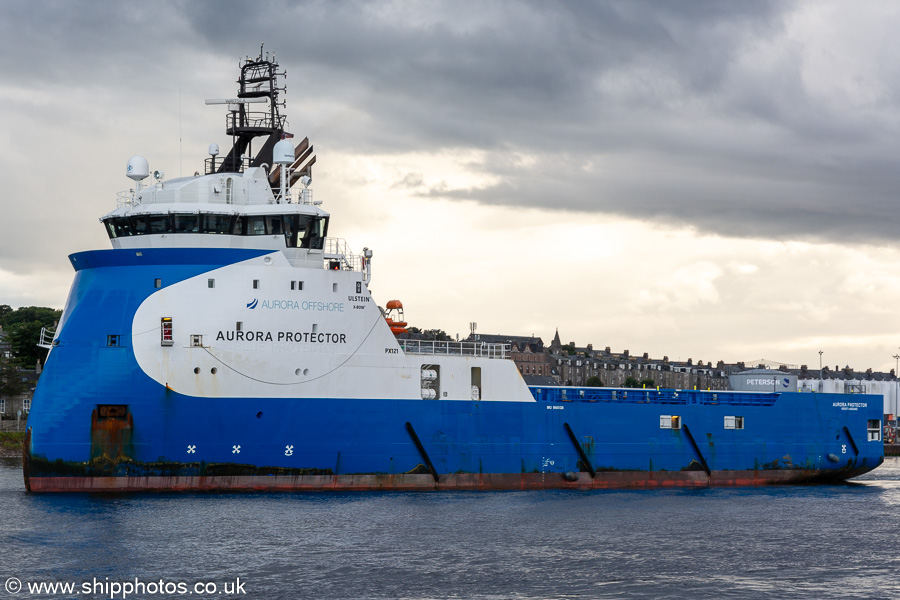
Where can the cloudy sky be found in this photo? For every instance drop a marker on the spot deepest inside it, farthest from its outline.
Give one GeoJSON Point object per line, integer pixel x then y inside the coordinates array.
{"type": "Point", "coordinates": [701, 180]}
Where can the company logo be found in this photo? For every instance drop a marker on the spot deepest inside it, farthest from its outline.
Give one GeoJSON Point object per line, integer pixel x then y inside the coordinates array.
{"type": "Point", "coordinates": [785, 382]}
{"type": "Point", "coordinates": [308, 305]}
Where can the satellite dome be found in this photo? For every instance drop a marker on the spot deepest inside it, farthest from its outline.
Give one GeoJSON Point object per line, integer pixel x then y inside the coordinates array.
{"type": "Point", "coordinates": [138, 168]}
{"type": "Point", "coordinates": [283, 154]}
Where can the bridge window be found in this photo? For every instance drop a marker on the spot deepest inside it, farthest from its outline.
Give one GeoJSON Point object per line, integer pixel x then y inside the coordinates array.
{"type": "Point", "coordinates": [300, 231]}
{"type": "Point", "coordinates": [119, 227]}
{"type": "Point", "coordinates": [160, 223]}
{"type": "Point", "coordinates": [112, 340]}
{"type": "Point", "coordinates": [256, 226]}
{"type": "Point", "coordinates": [273, 225]}
{"type": "Point", "coordinates": [140, 225]}
{"type": "Point", "coordinates": [187, 223]}
{"type": "Point", "coordinates": [213, 223]}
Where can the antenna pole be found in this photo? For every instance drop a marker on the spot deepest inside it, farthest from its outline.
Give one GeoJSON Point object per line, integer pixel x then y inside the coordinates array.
{"type": "Point", "coordinates": [180, 152]}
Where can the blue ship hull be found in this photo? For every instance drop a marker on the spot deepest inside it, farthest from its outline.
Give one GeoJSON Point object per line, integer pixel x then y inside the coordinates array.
{"type": "Point", "coordinates": [99, 423]}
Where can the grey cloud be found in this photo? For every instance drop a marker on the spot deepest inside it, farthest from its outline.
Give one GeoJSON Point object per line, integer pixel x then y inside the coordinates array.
{"type": "Point", "coordinates": [659, 97]}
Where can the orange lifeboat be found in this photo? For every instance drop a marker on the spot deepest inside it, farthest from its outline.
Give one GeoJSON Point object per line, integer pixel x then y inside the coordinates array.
{"type": "Point", "coordinates": [394, 317]}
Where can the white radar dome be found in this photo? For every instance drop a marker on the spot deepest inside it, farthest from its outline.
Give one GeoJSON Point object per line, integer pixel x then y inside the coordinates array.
{"type": "Point", "coordinates": [138, 168]}
{"type": "Point", "coordinates": [283, 154]}
{"type": "Point", "coordinates": [213, 149]}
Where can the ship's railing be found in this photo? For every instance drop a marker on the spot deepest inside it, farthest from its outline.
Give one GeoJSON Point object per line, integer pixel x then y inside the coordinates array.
{"type": "Point", "coordinates": [215, 163]}
{"type": "Point", "coordinates": [338, 256]}
{"type": "Point", "coordinates": [652, 396]}
{"type": "Point", "coordinates": [126, 198]}
{"type": "Point", "coordinates": [455, 348]}
{"type": "Point", "coordinates": [46, 340]}
{"type": "Point", "coordinates": [252, 120]}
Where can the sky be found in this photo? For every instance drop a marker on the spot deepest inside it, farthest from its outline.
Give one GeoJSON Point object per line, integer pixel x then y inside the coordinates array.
{"type": "Point", "coordinates": [704, 180]}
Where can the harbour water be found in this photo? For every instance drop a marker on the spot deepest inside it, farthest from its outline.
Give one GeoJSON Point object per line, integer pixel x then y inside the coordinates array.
{"type": "Point", "coordinates": [836, 541]}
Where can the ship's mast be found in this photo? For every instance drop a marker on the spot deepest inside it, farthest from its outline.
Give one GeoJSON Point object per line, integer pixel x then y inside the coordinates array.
{"type": "Point", "coordinates": [258, 84]}
{"type": "Point", "coordinates": [258, 81]}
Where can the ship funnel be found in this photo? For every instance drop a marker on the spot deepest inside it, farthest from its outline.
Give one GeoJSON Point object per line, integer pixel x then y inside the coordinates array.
{"type": "Point", "coordinates": [138, 168]}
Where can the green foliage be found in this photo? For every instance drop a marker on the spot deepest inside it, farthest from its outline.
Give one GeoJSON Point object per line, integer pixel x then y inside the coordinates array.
{"type": "Point", "coordinates": [570, 349]}
{"type": "Point", "coordinates": [28, 314]}
{"type": "Point", "coordinates": [437, 334]}
{"type": "Point", "coordinates": [632, 382]}
{"type": "Point", "coordinates": [593, 381]}
{"type": "Point", "coordinates": [23, 338]}
{"type": "Point", "coordinates": [11, 383]}
{"type": "Point", "coordinates": [23, 331]}
{"type": "Point", "coordinates": [11, 441]}
{"type": "Point", "coordinates": [431, 334]}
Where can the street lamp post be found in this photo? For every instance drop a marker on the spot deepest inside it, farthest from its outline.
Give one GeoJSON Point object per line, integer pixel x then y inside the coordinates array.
{"type": "Point", "coordinates": [821, 383]}
{"type": "Point", "coordinates": [897, 370]}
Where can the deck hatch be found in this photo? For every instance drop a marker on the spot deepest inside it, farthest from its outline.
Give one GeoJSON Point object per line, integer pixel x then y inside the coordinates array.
{"type": "Point", "coordinates": [874, 430]}
{"type": "Point", "coordinates": [734, 422]}
{"type": "Point", "coordinates": [669, 422]}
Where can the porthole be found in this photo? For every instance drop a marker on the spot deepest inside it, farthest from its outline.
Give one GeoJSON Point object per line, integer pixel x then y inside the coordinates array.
{"type": "Point", "coordinates": [297, 372]}
{"type": "Point", "coordinates": [196, 370]}
{"type": "Point", "coordinates": [259, 415]}
{"type": "Point", "coordinates": [306, 371]}
{"type": "Point", "coordinates": [214, 370]}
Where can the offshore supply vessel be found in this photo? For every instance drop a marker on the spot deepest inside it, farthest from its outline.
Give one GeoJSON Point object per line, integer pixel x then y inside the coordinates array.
{"type": "Point", "coordinates": [226, 342]}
